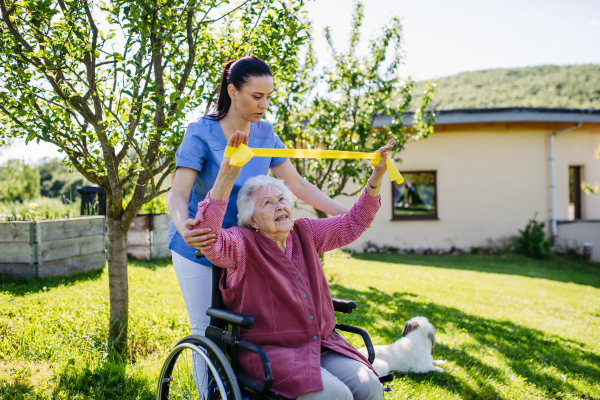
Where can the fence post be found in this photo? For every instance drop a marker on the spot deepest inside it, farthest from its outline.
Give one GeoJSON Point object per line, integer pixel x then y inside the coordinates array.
{"type": "Point", "coordinates": [35, 246]}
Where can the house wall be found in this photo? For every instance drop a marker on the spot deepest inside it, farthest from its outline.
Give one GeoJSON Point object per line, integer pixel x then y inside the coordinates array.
{"type": "Point", "coordinates": [489, 184]}
{"type": "Point", "coordinates": [573, 234]}
{"type": "Point", "coordinates": [577, 148]}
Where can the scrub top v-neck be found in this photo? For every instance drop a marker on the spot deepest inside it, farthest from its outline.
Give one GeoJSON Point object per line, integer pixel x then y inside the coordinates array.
{"type": "Point", "coordinates": [202, 150]}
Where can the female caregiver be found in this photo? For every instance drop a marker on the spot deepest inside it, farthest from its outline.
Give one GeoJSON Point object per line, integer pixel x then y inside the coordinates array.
{"type": "Point", "coordinates": [246, 89]}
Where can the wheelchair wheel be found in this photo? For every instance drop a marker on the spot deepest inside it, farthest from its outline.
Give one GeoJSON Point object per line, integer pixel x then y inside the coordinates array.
{"type": "Point", "coordinates": [196, 369]}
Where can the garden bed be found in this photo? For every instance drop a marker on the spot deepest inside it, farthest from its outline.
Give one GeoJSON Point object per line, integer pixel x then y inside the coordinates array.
{"type": "Point", "coordinates": [59, 247]}
{"type": "Point", "coordinates": [147, 237]}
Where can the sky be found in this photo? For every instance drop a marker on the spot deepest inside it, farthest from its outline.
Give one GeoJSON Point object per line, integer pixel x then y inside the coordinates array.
{"type": "Point", "coordinates": [444, 38]}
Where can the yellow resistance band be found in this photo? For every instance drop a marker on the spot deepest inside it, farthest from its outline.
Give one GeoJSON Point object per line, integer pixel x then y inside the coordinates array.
{"type": "Point", "coordinates": [239, 156]}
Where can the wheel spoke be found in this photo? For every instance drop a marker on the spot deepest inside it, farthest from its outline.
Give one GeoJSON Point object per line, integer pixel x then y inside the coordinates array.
{"type": "Point", "coordinates": [199, 371]}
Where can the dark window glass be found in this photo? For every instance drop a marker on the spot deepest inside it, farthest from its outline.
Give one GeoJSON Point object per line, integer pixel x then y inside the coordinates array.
{"type": "Point", "coordinates": [416, 197]}
{"type": "Point", "coordinates": [574, 193]}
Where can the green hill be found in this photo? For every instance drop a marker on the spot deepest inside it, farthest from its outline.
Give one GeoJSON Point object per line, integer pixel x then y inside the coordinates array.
{"type": "Point", "coordinates": [551, 86]}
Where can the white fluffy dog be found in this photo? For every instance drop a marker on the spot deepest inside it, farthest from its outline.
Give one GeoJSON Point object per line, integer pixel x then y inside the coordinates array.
{"type": "Point", "coordinates": [410, 353]}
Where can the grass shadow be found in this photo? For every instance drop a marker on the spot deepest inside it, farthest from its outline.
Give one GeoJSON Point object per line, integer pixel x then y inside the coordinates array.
{"type": "Point", "coordinates": [557, 367]}
{"type": "Point", "coordinates": [25, 286]}
{"type": "Point", "coordinates": [556, 268]}
{"type": "Point", "coordinates": [149, 264]}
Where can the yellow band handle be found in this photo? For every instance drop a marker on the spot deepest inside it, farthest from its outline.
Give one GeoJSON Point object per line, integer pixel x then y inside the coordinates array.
{"type": "Point", "coordinates": [240, 155]}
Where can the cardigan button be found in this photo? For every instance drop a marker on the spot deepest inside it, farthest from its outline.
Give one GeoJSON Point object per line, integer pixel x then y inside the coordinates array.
{"type": "Point", "coordinates": [315, 337]}
{"type": "Point", "coordinates": [304, 295]}
{"type": "Point", "coordinates": [310, 317]}
{"type": "Point", "coordinates": [297, 276]}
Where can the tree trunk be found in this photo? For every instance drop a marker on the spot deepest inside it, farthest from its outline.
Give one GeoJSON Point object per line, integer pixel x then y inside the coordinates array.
{"type": "Point", "coordinates": [117, 283]}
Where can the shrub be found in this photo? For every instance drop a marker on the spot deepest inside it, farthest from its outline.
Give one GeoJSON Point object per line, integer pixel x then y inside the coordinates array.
{"type": "Point", "coordinates": [532, 240]}
{"type": "Point", "coordinates": [18, 181]}
{"type": "Point", "coordinates": [57, 179]}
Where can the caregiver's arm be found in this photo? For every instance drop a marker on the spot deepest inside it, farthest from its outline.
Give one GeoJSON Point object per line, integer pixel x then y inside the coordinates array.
{"type": "Point", "coordinates": [336, 232]}
{"type": "Point", "coordinates": [306, 191]}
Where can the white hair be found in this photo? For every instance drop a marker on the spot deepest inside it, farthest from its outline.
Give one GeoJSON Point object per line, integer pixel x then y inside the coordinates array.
{"type": "Point", "coordinates": [245, 200]}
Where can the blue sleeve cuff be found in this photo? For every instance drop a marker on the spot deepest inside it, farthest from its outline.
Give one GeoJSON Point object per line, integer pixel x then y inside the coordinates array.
{"type": "Point", "coordinates": [276, 161]}
{"type": "Point", "coordinates": [187, 164]}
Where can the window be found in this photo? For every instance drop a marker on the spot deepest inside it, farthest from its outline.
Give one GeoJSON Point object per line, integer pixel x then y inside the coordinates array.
{"type": "Point", "coordinates": [574, 193]}
{"type": "Point", "coordinates": [416, 197]}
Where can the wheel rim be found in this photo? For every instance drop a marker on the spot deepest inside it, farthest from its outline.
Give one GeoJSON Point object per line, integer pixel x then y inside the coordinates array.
{"type": "Point", "coordinates": [184, 383]}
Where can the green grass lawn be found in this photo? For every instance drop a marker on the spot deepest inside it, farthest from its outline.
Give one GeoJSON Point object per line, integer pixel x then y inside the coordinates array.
{"type": "Point", "coordinates": [509, 327]}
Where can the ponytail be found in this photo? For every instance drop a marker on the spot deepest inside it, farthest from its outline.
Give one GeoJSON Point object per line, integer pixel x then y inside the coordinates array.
{"type": "Point", "coordinates": [237, 73]}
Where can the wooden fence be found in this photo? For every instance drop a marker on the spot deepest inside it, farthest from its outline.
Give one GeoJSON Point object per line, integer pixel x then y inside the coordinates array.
{"type": "Point", "coordinates": [147, 236]}
{"type": "Point", "coordinates": [58, 247]}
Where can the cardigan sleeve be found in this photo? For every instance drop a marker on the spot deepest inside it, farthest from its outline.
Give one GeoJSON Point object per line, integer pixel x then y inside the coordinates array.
{"type": "Point", "coordinates": [228, 251]}
{"type": "Point", "coordinates": [339, 231]}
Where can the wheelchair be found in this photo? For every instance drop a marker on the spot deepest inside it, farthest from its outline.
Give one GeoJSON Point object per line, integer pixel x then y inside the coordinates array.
{"type": "Point", "coordinates": [216, 353]}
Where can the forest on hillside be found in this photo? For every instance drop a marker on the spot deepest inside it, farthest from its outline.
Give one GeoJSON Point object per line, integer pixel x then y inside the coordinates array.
{"type": "Point", "coordinates": [550, 86]}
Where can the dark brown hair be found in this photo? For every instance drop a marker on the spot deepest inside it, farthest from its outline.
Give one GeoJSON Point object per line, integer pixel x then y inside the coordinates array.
{"type": "Point", "coordinates": [238, 73]}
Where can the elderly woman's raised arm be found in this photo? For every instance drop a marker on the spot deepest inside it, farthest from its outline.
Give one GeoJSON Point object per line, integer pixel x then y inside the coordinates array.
{"type": "Point", "coordinates": [228, 249]}
{"type": "Point", "coordinates": [335, 232]}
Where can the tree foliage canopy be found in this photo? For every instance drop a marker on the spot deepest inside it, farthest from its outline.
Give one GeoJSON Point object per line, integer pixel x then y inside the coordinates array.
{"type": "Point", "coordinates": [111, 83]}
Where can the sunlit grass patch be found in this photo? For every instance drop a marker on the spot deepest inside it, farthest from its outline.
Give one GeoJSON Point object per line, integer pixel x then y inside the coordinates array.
{"type": "Point", "coordinates": [503, 334]}
{"type": "Point", "coordinates": [508, 327]}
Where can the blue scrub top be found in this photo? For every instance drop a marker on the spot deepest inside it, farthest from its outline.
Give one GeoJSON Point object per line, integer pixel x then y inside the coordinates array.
{"type": "Point", "coordinates": [202, 149]}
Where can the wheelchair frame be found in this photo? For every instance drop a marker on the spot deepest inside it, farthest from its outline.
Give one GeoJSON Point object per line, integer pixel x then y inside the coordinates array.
{"type": "Point", "coordinates": [223, 332]}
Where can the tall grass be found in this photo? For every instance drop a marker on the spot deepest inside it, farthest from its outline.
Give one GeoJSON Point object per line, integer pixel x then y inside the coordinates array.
{"type": "Point", "coordinates": [40, 209]}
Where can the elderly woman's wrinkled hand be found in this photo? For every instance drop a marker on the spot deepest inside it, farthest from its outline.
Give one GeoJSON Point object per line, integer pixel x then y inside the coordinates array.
{"type": "Point", "coordinates": [374, 182]}
{"type": "Point", "coordinates": [235, 140]}
{"type": "Point", "coordinates": [384, 152]}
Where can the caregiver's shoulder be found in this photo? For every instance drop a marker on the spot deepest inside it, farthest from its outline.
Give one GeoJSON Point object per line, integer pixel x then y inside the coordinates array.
{"type": "Point", "coordinates": [203, 122]}
{"type": "Point", "coordinates": [201, 130]}
{"type": "Point", "coordinates": [264, 129]}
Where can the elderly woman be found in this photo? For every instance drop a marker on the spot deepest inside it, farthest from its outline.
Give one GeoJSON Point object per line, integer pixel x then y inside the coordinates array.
{"type": "Point", "coordinates": [272, 272]}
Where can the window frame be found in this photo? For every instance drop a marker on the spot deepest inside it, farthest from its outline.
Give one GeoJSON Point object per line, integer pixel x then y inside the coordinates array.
{"type": "Point", "coordinates": [576, 191]}
{"type": "Point", "coordinates": [417, 217]}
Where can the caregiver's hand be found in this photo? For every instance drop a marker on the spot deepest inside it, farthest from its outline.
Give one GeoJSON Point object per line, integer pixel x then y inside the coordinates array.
{"type": "Point", "coordinates": [197, 238]}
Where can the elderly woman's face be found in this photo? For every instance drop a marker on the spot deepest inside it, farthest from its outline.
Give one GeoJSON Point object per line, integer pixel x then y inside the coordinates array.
{"type": "Point", "coordinates": [272, 213]}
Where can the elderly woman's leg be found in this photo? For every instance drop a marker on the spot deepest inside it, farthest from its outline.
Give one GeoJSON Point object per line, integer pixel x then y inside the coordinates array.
{"type": "Point", "coordinates": [361, 381]}
{"type": "Point", "coordinates": [333, 389]}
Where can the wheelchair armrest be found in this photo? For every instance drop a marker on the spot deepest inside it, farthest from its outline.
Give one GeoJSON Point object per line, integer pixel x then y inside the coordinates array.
{"type": "Point", "coordinates": [365, 336]}
{"type": "Point", "coordinates": [344, 306]}
{"type": "Point", "coordinates": [231, 317]}
{"type": "Point", "coordinates": [264, 360]}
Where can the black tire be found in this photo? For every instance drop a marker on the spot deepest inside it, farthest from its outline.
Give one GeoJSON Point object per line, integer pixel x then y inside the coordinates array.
{"type": "Point", "coordinates": [179, 381]}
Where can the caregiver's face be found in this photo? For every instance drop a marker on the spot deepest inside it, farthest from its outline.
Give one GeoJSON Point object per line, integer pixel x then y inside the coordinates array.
{"type": "Point", "coordinates": [252, 101]}
{"type": "Point", "coordinates": [272, 213]}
